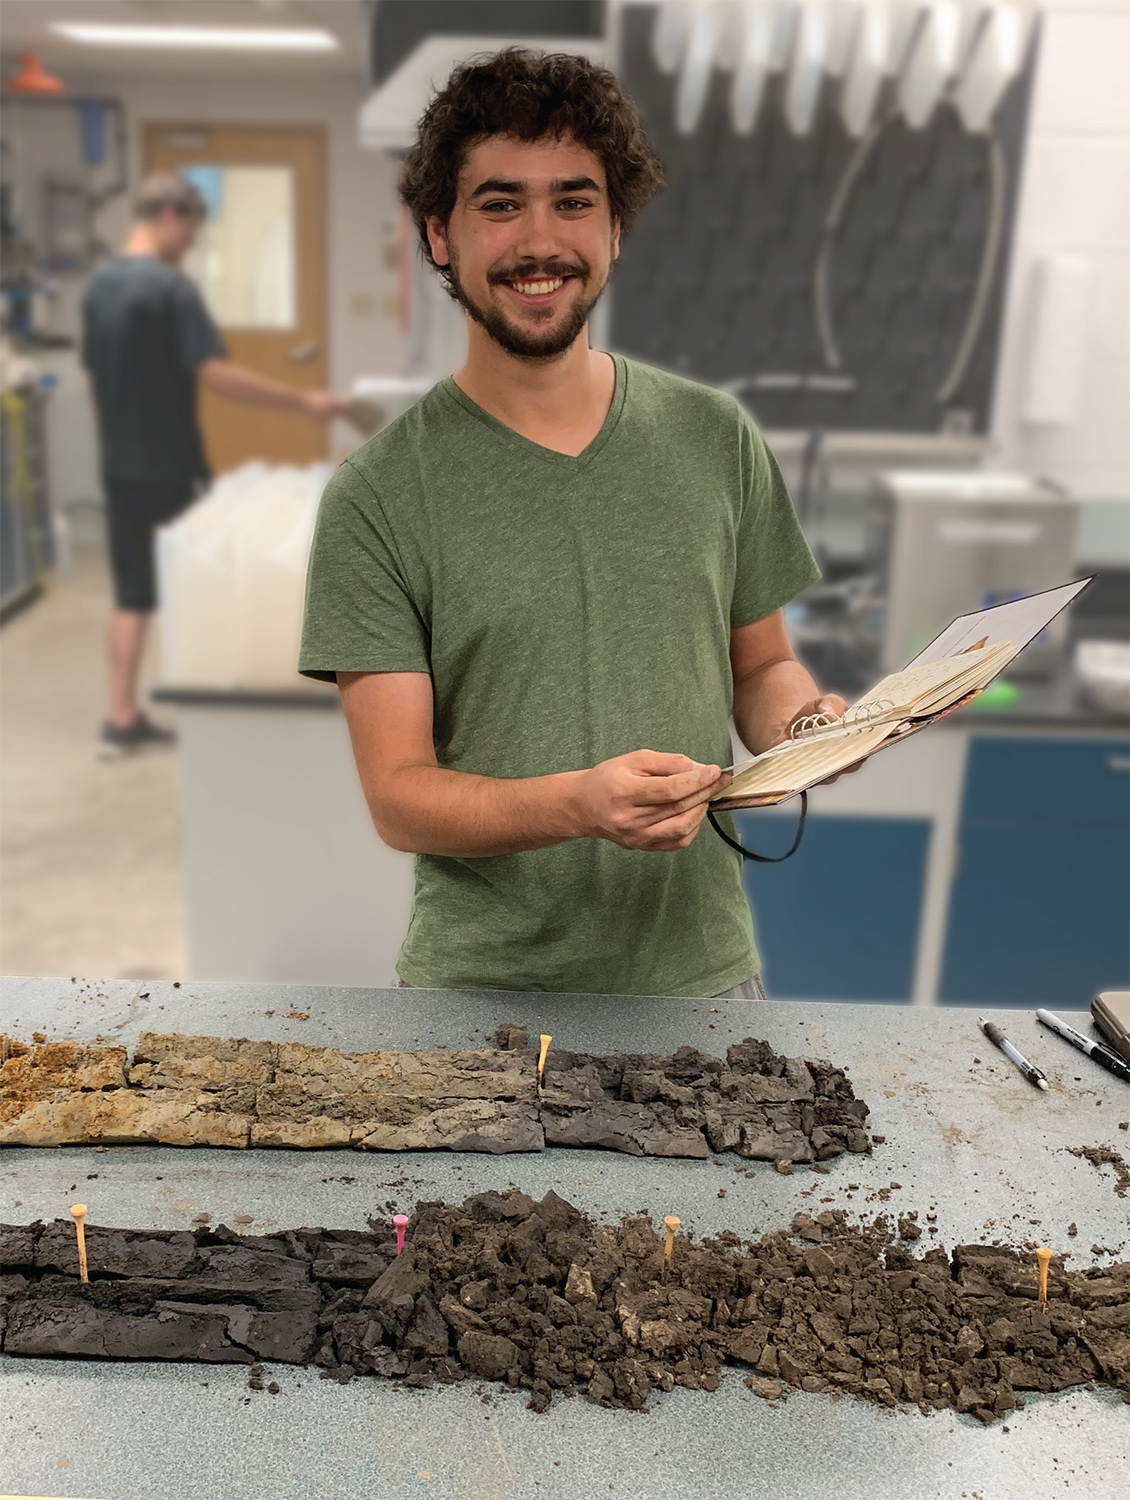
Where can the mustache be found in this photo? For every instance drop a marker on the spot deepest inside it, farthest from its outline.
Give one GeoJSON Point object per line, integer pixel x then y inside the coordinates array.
{"type": "Point", "coordinates": [536, 270]}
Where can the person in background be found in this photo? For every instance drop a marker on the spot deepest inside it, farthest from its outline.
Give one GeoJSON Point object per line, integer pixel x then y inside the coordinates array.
{"type": "Point", "coordinates": [543, 589]}
{"type": "Point", "coordinates": [148, 344]}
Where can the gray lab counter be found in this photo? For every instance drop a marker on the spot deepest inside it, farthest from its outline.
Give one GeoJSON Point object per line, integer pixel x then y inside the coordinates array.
{"type": "Point", "coordinates": [285, 877]}
{"type": "Point", "coordinates": [966, 1137]}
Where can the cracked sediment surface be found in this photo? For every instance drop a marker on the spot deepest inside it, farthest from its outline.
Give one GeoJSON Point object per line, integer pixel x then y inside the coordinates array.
{"type": "Point", "coordinates": [539, 1297]}
{"type": "Point", "coordinates": [215, 1091]}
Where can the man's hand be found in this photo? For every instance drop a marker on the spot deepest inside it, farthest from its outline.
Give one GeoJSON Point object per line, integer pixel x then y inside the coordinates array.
{"type": "Point", "coordinates": [322, 406]}
{"type": "Point", "coordinates": [830, 706]}
{"type": "Point", "coordinates": [833, 706]}
{"type": "Point", "coordinates": [646, 800]}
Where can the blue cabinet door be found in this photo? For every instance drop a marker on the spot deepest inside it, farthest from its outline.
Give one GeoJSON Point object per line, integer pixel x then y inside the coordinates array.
{"type": "Point", "coordinates": [839, 920]}
{"type": "Point", "coordinates": [1059, 780]}
{"type": "Point", "coordinates": [1040, 909]}
{"type": "Point", "coordinates": [1039, 914]}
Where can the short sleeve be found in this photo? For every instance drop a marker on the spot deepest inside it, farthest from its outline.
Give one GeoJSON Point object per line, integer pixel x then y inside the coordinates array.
{"type": "Point", "coordinates": [198, 337]}
{"type": "Point", "coordinates": [774, 562]}
{"type": "Point", "coordinates": [360, 612]}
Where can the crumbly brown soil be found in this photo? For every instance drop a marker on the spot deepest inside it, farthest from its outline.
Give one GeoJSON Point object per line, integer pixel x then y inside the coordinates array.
{"type": "Point", "coordinates": [1102, 1156]}
{"type": "Point", "coordinates": [535, 1295]}
{"type": "Point", "coordinates": [216, 1091]}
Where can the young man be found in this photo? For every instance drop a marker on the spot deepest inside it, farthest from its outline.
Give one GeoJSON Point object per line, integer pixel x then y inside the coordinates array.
{"type": "Point", "coordinates": [148, 341]}
{"type": "Point", "coordinates": [542, 590]}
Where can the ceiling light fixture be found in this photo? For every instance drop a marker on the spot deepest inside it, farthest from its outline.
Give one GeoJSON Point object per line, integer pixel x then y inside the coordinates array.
{"type": "Point", "coordinates": [201, 38]}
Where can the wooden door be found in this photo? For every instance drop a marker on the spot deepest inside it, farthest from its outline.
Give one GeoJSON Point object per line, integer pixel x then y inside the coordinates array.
{"type": "Point", "coordinates": [260, 260]}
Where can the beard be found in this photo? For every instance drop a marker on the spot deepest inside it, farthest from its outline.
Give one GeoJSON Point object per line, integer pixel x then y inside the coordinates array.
{"type": "Point", "coordinates": [526, 343]}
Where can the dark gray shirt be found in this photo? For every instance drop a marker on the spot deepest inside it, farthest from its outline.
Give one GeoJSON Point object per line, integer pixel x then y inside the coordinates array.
{"type": "Point", "coordinates": [145, 332]}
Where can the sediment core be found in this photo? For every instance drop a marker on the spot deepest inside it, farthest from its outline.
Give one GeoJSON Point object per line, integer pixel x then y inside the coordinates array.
{"type": "Point", "coordinates": [216, 1091]}
{"type": "Point", "coordinates": [535, 1295]}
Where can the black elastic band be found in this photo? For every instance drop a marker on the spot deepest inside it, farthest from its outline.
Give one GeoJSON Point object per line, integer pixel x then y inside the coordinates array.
{"type": "Point", "coordinates": [764, 859]}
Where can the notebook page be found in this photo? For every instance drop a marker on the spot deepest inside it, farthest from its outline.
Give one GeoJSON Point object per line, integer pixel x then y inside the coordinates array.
{"type": "Point", "coordinates": [919, 689]}
{"type": "Point", "coordinates": [992, 660]}
{"type": "Point", "coordinates": [929, 680]}
{"type": "Point", "coordinates": [953, 679]}
{"type": "Point", "coordinates": [797, 764]}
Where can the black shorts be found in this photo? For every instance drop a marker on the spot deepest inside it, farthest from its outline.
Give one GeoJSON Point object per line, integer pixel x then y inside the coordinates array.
{"type": "Point", "coordinates": [134, 511]}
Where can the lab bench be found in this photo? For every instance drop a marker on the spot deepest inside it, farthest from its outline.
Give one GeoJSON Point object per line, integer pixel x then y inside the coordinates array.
{"type": "Point", "coordinates": [984, 861]}
{"type": "Point", "coordinates": [285, 877]}
{"type": "Point", "coordinates": [975, 1145]}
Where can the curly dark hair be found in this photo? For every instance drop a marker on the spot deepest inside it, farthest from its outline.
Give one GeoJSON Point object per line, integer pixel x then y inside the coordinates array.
{"type": "Point", "coordinates": [528, 95]}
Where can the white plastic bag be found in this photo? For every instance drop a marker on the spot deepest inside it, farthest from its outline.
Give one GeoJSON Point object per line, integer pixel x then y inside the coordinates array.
{"type": "Point", "coordinates": [232, 573]}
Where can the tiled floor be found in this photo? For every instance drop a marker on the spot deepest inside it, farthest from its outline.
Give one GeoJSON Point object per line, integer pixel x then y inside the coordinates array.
{"type": "Point", "coordinates": [90, 861]}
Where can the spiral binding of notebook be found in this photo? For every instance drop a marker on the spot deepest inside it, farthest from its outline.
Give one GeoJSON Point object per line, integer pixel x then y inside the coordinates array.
{"type": "Point", "coordinates": [858, 717]}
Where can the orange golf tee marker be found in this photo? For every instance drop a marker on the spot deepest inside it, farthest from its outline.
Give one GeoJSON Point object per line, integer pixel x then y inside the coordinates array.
{"type": "Point", "coordinates": [671, 1223]}
{"type": "Point", "coordinates": [545, 1041]}
{"type": "Point", "coordinates": [78, 1214]}
{"type": "Point", "coordinates": [1044, 1256]}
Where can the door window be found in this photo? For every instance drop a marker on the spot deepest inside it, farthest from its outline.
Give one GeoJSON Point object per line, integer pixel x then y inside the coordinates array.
{"type": "Point", "coordinates": [243, 259]}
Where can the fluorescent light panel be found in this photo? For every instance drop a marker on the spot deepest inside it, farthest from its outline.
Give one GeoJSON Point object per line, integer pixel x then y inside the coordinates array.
{"type": "Point", "coordinates": [200, 38]}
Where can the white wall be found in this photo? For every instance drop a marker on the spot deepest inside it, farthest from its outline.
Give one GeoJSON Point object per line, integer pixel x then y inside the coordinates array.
{"type": "Point", "coordinates": [1075, 200]}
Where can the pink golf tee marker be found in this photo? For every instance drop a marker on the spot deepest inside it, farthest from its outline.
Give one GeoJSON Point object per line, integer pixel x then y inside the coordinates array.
{"type": "Point", "coordinates": [401, 1222]}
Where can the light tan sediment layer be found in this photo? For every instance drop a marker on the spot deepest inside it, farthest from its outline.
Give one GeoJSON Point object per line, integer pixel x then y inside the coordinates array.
{"type": "Point", "coordinates": [237, 1092]}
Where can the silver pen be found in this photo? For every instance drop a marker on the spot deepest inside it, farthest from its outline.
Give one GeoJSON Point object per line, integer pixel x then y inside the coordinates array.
{"type": "Point", "coordinates": [1094, 1050]}
{"type": "Point", "coordinates": [998, 1039]}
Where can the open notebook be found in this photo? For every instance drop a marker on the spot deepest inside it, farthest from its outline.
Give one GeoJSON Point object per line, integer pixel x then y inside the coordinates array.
{"type": "Point", "coordinates": [959, 664]}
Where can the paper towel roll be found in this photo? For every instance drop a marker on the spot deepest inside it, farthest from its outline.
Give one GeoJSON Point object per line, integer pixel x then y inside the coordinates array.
{"type": "Point", "coordinates": [1053, 381]}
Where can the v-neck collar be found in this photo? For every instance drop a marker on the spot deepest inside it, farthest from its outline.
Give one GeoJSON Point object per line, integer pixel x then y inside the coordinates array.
{"type": "Point", "coordinates": [551, 455]}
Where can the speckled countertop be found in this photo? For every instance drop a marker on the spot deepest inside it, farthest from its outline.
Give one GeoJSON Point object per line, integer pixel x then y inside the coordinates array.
{"type": "Point", "coordinates": [968, 1139]}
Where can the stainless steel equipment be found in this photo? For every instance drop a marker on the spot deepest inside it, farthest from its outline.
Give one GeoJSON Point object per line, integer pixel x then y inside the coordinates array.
{"type": "Point", "coordinates": [958, 542]}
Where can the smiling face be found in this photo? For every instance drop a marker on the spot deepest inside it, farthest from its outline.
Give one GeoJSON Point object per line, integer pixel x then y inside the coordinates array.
{"type": "Point", "coordinates": [530, 243]}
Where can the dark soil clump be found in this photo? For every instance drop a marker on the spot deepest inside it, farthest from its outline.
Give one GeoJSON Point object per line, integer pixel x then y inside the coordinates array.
{"type": "Point", "coordinates": [756, 1103]}
{"type": "Point", "coordinates": [536, 1296]}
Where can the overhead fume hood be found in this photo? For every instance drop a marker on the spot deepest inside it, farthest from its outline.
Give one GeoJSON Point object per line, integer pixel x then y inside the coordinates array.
{"type": "Point", "coordinates": [876, 55]}
{"type": "Point", "coordinates": [967, 50]}
{"type": "Point", "coordinates": [414, 47]}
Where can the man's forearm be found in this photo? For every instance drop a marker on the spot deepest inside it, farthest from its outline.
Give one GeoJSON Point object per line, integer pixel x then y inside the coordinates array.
{"type": "Point", "coordinates": [768, 699]}
{"type": "Point", "coordinates": [645, 799]}
{"type": "Point", "coordinates": [240, 384]}
{"type": "Point", "coordinates": [430, 810]}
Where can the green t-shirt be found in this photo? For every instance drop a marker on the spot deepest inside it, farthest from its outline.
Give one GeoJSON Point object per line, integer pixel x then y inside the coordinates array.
{"type": "Point", "coordinates": [568, 610]}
